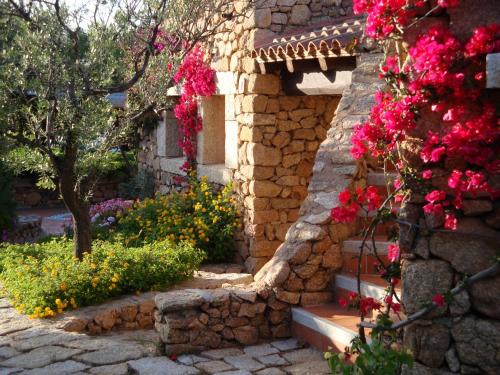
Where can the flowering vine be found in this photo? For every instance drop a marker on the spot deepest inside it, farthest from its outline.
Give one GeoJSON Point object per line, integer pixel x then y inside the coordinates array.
{"type": "Point", "coordinates": [197, 79]}
{"type": "Point", "coordinates": [437, 80]}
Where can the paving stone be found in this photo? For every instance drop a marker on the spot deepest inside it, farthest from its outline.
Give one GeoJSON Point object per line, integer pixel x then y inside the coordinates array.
{"type": "Point", "coordinates": [285, 345]}
{"type": "Point", "coordinates": [303, 355]}
{"type": "Point", "coordinates": [58, 368]}
{"type": "Point", "coordinates": [271, 371]}
{"type": "Point", "coordinates": [5, 329]}
{"type": "Point", "coordinates": [309, 368]}
{"type": "Point", "coordinates": [244, 362]}
{"type": "Point", "coordinates": [190, 359]}
{"type": "Point", "coordinates": [43, 340]}
{"type": "Point", "coordinates": [221, 353]}
{"type": "Point", "coordinates": [8, 371]}
{"type": "Point", "coordinates": [119, 369]}
{"type": "Point", "coordinates": [272, 360]}
{"type": "Point", "coordinates": [113, 354]}
{"type": "Point", "coordinates": [90, 344]}
{"type": "Point", "coordinates": [236, 372]}
{"type": "Point", "coordinates": [213, 367]}
{"type": "Point", "coordinates": [40, 357]}
{"type": "Point", "coordinates": [32, 332]}
{"type": "Point", "coordinates": [160, 366]}
{"type": "Point", "coordinates": [260, 350]}
{"type": "Point", "coordinates": [8, 352]}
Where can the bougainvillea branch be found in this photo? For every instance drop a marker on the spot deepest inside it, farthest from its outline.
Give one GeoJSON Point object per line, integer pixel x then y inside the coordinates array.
{"type": "Point", "coordinates": [197, 79]}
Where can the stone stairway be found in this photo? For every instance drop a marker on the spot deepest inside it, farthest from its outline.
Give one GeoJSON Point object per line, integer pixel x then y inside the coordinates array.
{"type": "Point", "coordinates": [330, 326]}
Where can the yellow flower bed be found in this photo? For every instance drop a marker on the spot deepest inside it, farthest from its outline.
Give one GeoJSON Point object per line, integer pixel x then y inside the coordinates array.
{"type": "Point", "coordinates": [44, 279]}
{"type": "Point", "coordinates": [200, 216]}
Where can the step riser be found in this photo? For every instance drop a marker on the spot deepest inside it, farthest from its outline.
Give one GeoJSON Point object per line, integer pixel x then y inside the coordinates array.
{"type": "Point", "coordinates": [319, 332]}
{"type": "Point", "coordinates": [351, 261]}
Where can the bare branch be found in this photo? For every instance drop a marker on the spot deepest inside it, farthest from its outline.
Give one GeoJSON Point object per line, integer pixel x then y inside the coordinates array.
{"type": "Point", "coordinates": [486, 273]}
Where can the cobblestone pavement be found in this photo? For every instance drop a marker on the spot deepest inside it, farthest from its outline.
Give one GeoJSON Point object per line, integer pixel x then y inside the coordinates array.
{"type": "Point", "coordinates": [37, 347]}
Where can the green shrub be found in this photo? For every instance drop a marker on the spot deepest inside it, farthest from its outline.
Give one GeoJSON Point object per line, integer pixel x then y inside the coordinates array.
{"type": "Point", "coordinates": [201, 216]}
{"type": "Point", "coordinates": [45, 279]}
{"type": "Point", "coordinates": [140, 186]}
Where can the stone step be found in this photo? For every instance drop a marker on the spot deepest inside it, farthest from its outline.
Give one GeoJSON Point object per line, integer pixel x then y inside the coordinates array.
{"type": "Point", "coordinates": [371, 286]}
{"type": "Point", "coordinates": [211, 280]}
{"type": "Point", "coordinates": [325, 327]}
{"type": "Point", "coordinates": [380, 179]}
{"type": "Point", "coordinates": [352, 245]}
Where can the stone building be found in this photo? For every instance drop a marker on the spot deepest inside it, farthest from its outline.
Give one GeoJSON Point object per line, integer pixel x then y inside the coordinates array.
{"type": "Point", "coordinates": [280, 74]}
{"type": "Point", "coordinates": [292, 81]}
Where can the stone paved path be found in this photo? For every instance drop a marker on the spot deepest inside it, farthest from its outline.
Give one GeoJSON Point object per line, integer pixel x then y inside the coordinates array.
{"type": "Point", "coordinates": [36, 347]}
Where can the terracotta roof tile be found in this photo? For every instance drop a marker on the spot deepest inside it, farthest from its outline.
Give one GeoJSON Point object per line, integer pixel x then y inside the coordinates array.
{"type": "Point", "coordinates": [333, 39]}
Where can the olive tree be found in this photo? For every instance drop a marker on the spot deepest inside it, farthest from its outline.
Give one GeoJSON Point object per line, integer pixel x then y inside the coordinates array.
{"type": "Point", "coordinates": [59, 63]}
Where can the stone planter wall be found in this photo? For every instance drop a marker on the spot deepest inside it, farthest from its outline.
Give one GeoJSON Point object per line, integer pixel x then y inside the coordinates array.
{"type": "Point", "coordinates": [195, 319]}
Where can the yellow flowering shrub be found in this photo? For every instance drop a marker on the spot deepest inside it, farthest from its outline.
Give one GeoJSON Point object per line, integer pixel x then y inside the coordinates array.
{"type": "Point", "coordinates": [200, 216]}
{"type": "Point", "coordinates": [45, 279]}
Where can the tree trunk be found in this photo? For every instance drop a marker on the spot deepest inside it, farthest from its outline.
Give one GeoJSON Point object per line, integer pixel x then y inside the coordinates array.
{"type": "Point", "coordinates": [83, 232]}
{"type": "Point", "coordinates": [79, 209]}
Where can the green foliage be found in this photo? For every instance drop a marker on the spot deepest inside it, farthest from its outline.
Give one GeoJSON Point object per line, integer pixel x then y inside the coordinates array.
{"type": "Point", "coordinates": [139, 186]}
{"type": "Point", "coordinates": [45, 279]}
{"type": "Point", "coordinates": [375, 358]}
{"type": "Point", "coordinates": [7, 204]}
{"type": "Point", "coordinates": [203, 217]}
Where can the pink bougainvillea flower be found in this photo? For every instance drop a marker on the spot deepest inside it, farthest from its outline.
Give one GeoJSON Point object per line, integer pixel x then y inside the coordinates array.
{"type": "Point", "coordinates": [450, 221]}
{"type": "Point", "coordinates": [393, 252]}
{"type": "Point", "coordinates": [448, 3]}
{"type": "Point", "coordinates": [427, 174]}
{"type": "Point", "coordinates": [435, 196]}
{"type": "Point", "coordinates": [345, 197]}
{"type": "Point", "coordinates": [438, 299]}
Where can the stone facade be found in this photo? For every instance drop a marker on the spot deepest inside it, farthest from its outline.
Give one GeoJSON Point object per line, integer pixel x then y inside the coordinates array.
{"type": "Point", "coordinates": [303, 265]}
{"type": "Point", "coordinates": [270, 138]}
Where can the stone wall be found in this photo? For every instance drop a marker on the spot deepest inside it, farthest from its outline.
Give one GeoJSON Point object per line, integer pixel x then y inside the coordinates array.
{"type": "Point", "coordinates": [27, 229]}
{"type": "Point", "coordinates": [268, 18]}
{"type": "Point", "coordinates": [302, 267]}
{"type": "Point", "coordinates": [27, 194]}
{"type": "Point", "coordinates": [196, 319]}
{"type": "Point", "coordinates": [462, 336]}
{"type": "Point", "coordinates": [278, 140]}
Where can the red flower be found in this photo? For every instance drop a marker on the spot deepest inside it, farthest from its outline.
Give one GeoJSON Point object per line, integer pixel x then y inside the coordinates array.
{"type": "Point", "coordinates": [427, 174]}
{"type": "Point", "coordinates": [343, 302]}
{"type": "Point", "coordinates": [393, 252]}
{"type": "Point", "coordinates": [450, 221]}
{"type": "Point", "coordinates": [438, 300]}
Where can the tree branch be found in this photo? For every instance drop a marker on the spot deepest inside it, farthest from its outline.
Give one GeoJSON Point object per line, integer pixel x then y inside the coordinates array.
{"type": "Point", "coordinates": [488, 272]}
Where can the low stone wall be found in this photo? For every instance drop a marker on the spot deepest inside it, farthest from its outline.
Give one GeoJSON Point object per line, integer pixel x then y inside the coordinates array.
{"type": "Point", "coordinates": [27, 194]}
{"type": "Point", "coordinates": [195, 319]}
{"type": "Point", "coordinates": [137, 311]}
{"type": "Point", "coordinates": [134, 312]}
{"type": "Point", "coordinates": [28, 229]}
